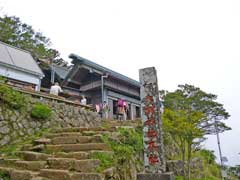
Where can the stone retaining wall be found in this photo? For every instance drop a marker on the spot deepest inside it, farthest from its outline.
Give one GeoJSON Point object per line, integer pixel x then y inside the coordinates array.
{"type": "Point", "coordinates": [18, 124]}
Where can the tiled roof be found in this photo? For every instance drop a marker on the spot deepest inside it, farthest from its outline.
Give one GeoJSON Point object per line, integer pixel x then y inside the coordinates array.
{"type": "Point", "coordinates": [19, 59]}
{"type": "Point", "coordinates": [103, 69]}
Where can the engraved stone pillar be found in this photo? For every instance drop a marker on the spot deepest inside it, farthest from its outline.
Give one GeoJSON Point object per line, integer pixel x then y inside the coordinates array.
{"type": "Point", "coordinates": [154, 161]}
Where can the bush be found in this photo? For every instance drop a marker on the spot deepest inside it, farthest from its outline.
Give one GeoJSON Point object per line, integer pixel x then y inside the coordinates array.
{"type": "Point", "coordinates": [126, 147]}
{"type": "Point", "coordinates": [41, 111]}
{"type": "Point", "coordinates": [4, 176]}
{"type": "Point", "coordinates": [106, 160]}
{"type": "Point", "coordinates": [11, 97]}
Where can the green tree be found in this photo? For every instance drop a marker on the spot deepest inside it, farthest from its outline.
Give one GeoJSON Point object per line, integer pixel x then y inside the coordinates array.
{"type": "Point", "coordinates": [183, 127]}
{"type": "Point", "coordinates": [191, 113]}
{"type": "Point", "coordinates": [191, 98]}
{"type": "Point", "coordinates": [22, 35]}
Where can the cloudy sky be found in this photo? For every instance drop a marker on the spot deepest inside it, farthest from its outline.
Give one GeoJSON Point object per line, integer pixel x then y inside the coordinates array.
{"type": "Point", "coordinates": [188, 41]}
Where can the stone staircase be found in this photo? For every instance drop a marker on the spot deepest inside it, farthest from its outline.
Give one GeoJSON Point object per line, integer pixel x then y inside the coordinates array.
{"type": "Point", "coordinates": [62, 154]}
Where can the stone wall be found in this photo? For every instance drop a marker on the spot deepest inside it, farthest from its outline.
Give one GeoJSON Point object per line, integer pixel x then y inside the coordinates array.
{"type": "Point", "coordinates": [18, 124]}
{"type": "Point", "coordinates": [196, 165]}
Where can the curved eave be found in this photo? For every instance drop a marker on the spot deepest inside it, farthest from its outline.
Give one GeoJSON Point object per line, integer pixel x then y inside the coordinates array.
{"type": "Point", "coordinates": [112, 73]}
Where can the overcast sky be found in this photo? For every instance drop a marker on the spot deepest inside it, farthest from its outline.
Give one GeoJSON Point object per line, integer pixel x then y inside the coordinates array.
{"type": "Point", "coordinates": [188, 41]}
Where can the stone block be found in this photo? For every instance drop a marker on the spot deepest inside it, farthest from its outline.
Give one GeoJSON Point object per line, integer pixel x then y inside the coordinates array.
{"type": "Point", "coordinates": [88, 165]}
{"type": "Point", "coordinates": [4, 130]}
{"type": "Point", "coordinates": [55, 174]}
{"type": "Point", "coordinates": [162, 176]}
{"type": "Point", "coordinates": [61, 163]}
{"type": "Point", "coordinates": [33, 156]}
{"type": "Point", "coordinates": [22, 175]}
{"type": "Point", "coordinates": [77, 147]}
{"type": "Point", "coordinates": [75, 155]}
{"type": "Point", "coordinates": [31, 165]}
{"type": "Point", "coordinates": [87, 176]}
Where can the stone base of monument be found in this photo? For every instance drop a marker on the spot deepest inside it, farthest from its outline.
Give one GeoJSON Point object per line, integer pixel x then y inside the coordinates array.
{"type": "Point", "coordinates": [162, 176]}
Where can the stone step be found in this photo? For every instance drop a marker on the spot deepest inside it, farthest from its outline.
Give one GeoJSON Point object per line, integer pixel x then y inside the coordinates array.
{"type": "Point", "coordinates": [42, 141]}
{"type": "Point", "coordinates": [76, 139]}
{"type": "Point", "coordinates": [122, 123]}
{"type": "Point", "coordinates": [5, 170]}
{"type": "Point", "coordinates": [33, 156]}
{"type": "Point", "coordinates": [40, 178]}
{"type": "Point", "coordinates": [88, 165]}
{"type": "Point", "coordinates": [22, 175]}
{"type": "Point", "coordinates": [66, 134]}
{"type": "Point", "coordinates": [75, 155]}
{"type": "Point", "coordinates": [91, 153]}
{"type": "Point", "coordinates": [8, 162]}
{"type": "Point", "coordinates": [87, 176]}
{"type": "Point", "coordinates": [94, 133]}
{"type": "Point", "coordinates": [31, 165]}
{"type": "Point", "coordinates": [78, 129]}
{"type": "Point", "coordinates": [54, 174]}
{"type": "Point", "coordinates": [30, 147]}
{"type": "Point", "coordinates": [77, 147]}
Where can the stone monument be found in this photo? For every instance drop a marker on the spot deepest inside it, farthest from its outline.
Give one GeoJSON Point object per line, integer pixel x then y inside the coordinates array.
{"type": "Point", "coordinates": [154, 161]}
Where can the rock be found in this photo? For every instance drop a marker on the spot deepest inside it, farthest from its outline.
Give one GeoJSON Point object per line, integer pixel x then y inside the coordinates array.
{"type": "Point", "coordinates": [25, 123]}
{"type": "Point", "coordinates": [4, 130]}
{"type": "Point", "coordinates": [39, 147]}
{"type": "Point", "coordinates": [33, 124]}
{"type": "Point", "coordinates": [109, 172]}
{"type": "Point", "coordinates": [21, 133]}
{"type": "Point", "coordinates": [5, 140]}
{"type": "Point", "coordinates": [20, 125]}
{"type": "Point", "coordinates": [42, 141]}
{"type": "Point", "coordinates": [15, 126]}
{"type": "Point", "coordinates": [30, 131]}
{"type": "Point", "coordinates": [1, 117]}
{"type": "Point", "coordinates": [13, 118]}
{"type": "Point", "coordinates": [175, 166]}
{"type": "Point", "coordinates": [2, 123]}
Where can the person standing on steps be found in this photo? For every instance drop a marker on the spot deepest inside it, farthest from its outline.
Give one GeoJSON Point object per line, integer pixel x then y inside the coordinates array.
{"type": "Point", "coordinates": [120, 109]}
{"type": "Point", "coordinates": [55, 89]}
{"type": "Point", "coordinates": [105, 110]}
{"type": "Point", "coordinates": [83, 100]}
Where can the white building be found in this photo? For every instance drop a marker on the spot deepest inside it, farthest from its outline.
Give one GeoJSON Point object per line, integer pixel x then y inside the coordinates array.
{"type": "Point", "coordinates": [19, 67]}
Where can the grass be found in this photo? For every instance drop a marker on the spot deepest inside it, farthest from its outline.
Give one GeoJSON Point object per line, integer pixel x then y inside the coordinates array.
{"type": "Point", "coordinates": [126, 148]}
{"type": "Point", "coordinates": [10, 150]}
{"type": "Point", "coordinates": [106, 160]}
{"type": "Point", "coordinates": [4, 176]}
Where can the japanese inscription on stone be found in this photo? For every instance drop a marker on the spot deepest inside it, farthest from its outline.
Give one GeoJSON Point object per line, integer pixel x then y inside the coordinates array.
{"type": "Point", "coordinates": [154, 161]}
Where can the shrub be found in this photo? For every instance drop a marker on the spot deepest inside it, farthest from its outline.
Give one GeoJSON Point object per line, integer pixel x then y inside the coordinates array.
{"type": "Point", "coordinates": [106, 160]}
{"type": "Point", "coordinates": [126, 147]}
{"type": "Point", "coordinates": [11, 97]}
{"type": "Point", "coordinates": [4, 176]}
{"type": "Point", "coordinates": [41, 111]}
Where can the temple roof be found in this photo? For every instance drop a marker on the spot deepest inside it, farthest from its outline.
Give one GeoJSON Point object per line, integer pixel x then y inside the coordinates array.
{"type": "Point", "coordinates": [19, 59]}
{"type": "Point", "coordinates": [80, 60]}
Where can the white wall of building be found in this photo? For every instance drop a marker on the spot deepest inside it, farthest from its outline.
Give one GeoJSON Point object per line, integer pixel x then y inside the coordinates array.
{"type": "Point", "coordinates": [21, 76]}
